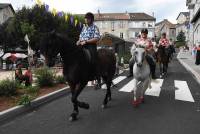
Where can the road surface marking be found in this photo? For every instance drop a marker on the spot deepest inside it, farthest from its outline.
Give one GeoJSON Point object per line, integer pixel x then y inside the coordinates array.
{"type": "Point", "coordinates": [156, 88]}
{"type": "Point", "coordinates": [183, 92]}
{"type": "Point", "coordinates": [128, 87]}
{"type": "Point", "coordinates": [115, 81]}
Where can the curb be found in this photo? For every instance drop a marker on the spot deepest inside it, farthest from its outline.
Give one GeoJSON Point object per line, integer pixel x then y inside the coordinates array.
{"type": "Point", "coordinates": [18, 110]}
{"type": "Point", "coordinates": [187, 67]}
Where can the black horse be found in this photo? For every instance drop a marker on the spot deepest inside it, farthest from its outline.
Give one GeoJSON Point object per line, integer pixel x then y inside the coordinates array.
{"type": "Point", "coordinates": [76, 66]}
{"type": "Point", "coordinates": [163, 59]}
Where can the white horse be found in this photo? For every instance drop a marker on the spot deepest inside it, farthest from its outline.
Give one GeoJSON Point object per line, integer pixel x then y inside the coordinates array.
{"type": "Point", "coordinates": [141, 73]}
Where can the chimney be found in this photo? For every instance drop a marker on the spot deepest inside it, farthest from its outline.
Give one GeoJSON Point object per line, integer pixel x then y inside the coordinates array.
{"type": "Point", "coordinates": [98, 11]}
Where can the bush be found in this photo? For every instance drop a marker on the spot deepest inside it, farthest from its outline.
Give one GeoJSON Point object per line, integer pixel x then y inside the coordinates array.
{"type": "Point", "coordinates": [179, 44]}
{"type": "Point", "coordinates": [25, 100]}
{"type": "Point", "coordinates": [126, 57]}
{"type": "Point", "coordinates": [60, 79]}
{"type": "Point", "coordinates": [32, 89]}
{"type": "Point", "coordinates": [8, 87]}
{"type": "Point", "coordinates": [45, 77]}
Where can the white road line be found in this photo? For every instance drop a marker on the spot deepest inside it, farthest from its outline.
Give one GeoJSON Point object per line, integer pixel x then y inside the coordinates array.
{"type": "Point", "coordinates": [115, 81]}
{"type": "Point", "coordinates": [128, 87]}
{"type": "Point", "coordinates": [183, 92]}
{"type": "Point", "coordinates": [154, 91]}
{"type": "Point", "coordinates": [156, 88]}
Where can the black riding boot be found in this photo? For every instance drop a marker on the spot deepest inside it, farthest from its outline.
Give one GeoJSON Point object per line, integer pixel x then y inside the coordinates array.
{"type": "Point", "coordinates": [152, 65]}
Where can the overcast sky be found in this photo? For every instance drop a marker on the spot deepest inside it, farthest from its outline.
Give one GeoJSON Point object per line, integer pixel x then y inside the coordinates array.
{"type": "Point", "coordinates": [162, 9]}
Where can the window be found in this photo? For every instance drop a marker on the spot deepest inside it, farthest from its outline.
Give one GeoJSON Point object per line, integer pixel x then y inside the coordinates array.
{"type": "Point", "coordinates": [112, 26]}
{"type": "Point", "coordinates": [121, 35]}
{"type": "Point", "coordinates": [150, 34]}
{"type": "Point", "coordinates": [4, 16]}
{"type": "Point", "coordinates": [136, 34]}
{"type": "Point", "coordinates": [143, 24]}
{"type": "Point", "coordinates": [150, 25]}
{"type": "Point", "coordinates": [121, 24]}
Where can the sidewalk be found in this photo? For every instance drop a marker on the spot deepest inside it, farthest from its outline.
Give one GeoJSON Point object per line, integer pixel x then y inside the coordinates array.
{"type": "Point", "coordinates": [186, 59]}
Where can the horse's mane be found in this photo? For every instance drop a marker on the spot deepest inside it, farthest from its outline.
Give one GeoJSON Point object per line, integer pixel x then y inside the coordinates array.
{"type": "Point", "coordinates": [65, 38]}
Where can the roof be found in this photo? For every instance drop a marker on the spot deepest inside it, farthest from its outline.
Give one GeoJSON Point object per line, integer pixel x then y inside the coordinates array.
{"type": "Point", "coordinates": [186, 14]}
{"type": "Point", "coordinates": [4, 5]}
{"type": "Point", "coordinates": [141, 16]}
{"type": "Point", "coordinates": [183, 24]}
{"type": "Point", "coordinates": [166, 22]}
{"type": "Point", "coordinates": [123, 16]}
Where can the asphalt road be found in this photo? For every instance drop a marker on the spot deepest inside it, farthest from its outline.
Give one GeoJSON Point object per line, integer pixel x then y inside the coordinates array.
{"type": "Point", "coordinates": [159, 115]}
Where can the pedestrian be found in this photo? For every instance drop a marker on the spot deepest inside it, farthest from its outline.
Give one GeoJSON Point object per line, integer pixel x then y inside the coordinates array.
{"type": "Point", "coordinates": [28, 77]}
{"type": "Point", "coordinates": [164, 41]}
{"type": "Point", "coordinates": [194, 51]}
{"type": "Point", "coordinates": [88, 38]}
{"type": "Point", "coordinates": [197, 62]}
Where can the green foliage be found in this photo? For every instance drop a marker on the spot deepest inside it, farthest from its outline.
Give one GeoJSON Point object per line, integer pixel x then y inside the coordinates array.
{"type": "Point", "coordinates": [45, 77]}
{"type": "Point", "coordinates": [25, 100]}
{"type": "Point", "coordinates": [35, 22]}
{"type": "Point", "coordinates": [179, 44]}
{"type": "Point", "coordinates": [60, 79]}
{"type": "Point", "coordinates": [32, 89]}
{"type": "Point", "coordinates": [126, 57]}
{"type": "Point", "coordinates": [8, 87]}
{"type": "Point", "coordinates": [181, 37]}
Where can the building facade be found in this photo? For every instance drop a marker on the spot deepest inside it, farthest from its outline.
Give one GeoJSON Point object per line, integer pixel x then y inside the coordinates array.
{"type": "Point", "coordinates": [6, 11]}
{"type": "Point", "coordinates": [183, 24]}
{"type": "Point", "coordinates": [125, 25]}
{"type": "Point", "coordinates": [194, 9]}
{"type": "Point", "coordinates": [167, 27]}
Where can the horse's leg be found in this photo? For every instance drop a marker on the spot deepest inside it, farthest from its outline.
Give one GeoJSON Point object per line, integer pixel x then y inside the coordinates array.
{"type": "Point", "coordinates": [145, 85]}
{"type": "Point", "coordinates": [108, 91]}
{"type": "Point", "coordinates": [76, 90]}
{"type": "Point", "coordinates": [75, 112]}
{"type": "Point", "coordinates": [135, 101]}
{"type": "Point", "coordinates": [98, 85]}
{"type": "Point", "coordinates": [160, 66]}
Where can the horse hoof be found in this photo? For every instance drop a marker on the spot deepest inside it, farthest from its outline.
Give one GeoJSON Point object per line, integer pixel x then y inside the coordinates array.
{"type": "Point", "coordinates": [73, 117]}
{"type": "Point", "coordinates": [86, 106]}
{"type": "Point", "coordinates": [135, 103]}
{"type": "Point", "coordinates": [103, 106]}
{"type": "Point", "coordinates": [141, 100]}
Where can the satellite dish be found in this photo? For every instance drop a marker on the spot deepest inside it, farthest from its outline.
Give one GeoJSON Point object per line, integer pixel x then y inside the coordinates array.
{"type": "Point", "coordinates": [1, 52]}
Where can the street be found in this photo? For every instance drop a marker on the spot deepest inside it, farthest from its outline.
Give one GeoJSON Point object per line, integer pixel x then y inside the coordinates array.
{"type": "Point", "coordinates": [164, 110]}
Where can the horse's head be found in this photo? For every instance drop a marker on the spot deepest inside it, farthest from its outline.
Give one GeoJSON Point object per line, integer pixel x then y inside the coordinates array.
{"type": "Point", "coordinates": [50, 47]}
{"type": "Point", "coordinates": [139, 56]}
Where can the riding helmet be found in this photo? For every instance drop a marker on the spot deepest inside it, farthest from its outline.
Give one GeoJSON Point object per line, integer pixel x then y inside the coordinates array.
{"type": "Point", "coordinates": [144, 31]}
{"type": "Point", "coordinates": [89, 15]}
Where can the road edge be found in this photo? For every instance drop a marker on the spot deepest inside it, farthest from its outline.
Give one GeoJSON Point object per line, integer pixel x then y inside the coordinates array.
{"type": "Point", "coordinates": [18, 110]}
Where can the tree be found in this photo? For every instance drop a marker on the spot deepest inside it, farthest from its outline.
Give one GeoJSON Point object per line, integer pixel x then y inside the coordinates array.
{"type": "Point", "coordinates": [35, 22]}
{"type": "Point", "coordinates": [181, 36]}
